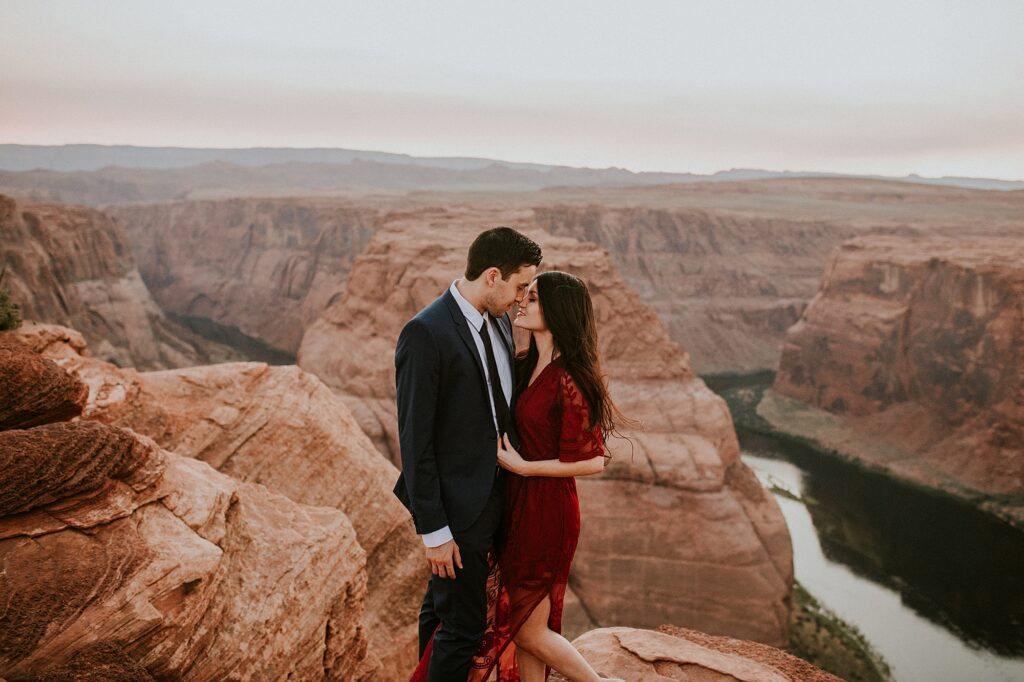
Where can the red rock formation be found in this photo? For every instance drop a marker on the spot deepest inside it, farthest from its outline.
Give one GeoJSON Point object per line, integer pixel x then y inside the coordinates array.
{"type": "Point", "coordinates": [673, 653]}
{"type": "Point", "coordinates": [105, 537]}
{"type": "Point", "coordinates": [728, 266]}
{"type": "Point", "coordinates": [266, 267]}
{"type": "Point", "coordinates": [920, 343]}
{"type": "Point", "coordinates": [118, 553]}
{"type": "Point", "coordinates": [36, 391]}
{"type": "Point", "coordinates": [677, 530]}
{"type": "Point", "coordinates": [722, 283]}
{"type": "Point", "coordinates": [71, 265]}
{"type": "Point", "coordinates": [282, 428]}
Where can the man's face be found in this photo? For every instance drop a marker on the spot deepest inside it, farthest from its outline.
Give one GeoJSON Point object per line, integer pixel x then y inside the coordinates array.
{"type": "Point", "coordinates": [502, 294]}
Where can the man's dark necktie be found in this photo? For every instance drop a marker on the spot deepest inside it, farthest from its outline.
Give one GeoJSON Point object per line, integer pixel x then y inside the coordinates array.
{"type": "Point", "coordinates": [501, 410]}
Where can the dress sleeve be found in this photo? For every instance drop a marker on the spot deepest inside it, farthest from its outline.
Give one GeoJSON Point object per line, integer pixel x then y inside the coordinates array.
{"type": "Point", "coordinates": [576, 441]}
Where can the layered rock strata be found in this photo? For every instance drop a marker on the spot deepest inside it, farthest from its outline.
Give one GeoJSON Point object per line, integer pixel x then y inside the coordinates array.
{"type": "Point", "coordinates": [728, 266]}
{"type": "Point", "coordinates": [677, 529]}
{"type": "Point", "coordinates": [282, 428]}
{"type": "Point", "coordinates": [919, 344]}
{"type": "Point", "coordinates": [264, 267]}
{"type": "Point", "coordinates": [71, 265]}
{"type": "Point", "coordinates": [109, 540]}
{"type": "Point", "coordinates": [35, 391]}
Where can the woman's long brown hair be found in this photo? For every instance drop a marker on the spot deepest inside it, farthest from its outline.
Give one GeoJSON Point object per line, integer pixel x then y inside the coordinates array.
{"type": "Point", "coordinates": [569, 314]}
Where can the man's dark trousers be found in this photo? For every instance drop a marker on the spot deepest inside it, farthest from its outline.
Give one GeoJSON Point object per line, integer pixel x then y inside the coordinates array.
{"type": "Point", "coordinates": [461, 604]}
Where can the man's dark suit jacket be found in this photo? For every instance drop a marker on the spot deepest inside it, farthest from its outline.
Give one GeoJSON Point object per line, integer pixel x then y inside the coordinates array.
{"type": "Point", "coordinates": [445, 426]}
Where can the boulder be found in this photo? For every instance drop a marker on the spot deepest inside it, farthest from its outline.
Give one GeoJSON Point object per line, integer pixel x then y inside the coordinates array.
{"type": "Point", "coordinates": [680, 654]}
{"type": "Point", "coordinates": [282, 428]}
{"type": "Point", "coordinates": [107, 538]}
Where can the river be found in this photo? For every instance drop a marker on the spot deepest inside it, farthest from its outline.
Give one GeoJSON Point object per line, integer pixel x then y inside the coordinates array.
{"type": "Point", "coordinates": [936, 586]}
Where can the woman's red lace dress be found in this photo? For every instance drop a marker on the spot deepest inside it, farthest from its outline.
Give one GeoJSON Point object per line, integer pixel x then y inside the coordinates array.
{"type": "Point", "coordinates": [541, 523]}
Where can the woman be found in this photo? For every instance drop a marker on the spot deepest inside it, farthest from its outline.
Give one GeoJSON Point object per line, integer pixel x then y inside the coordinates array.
{"type": "Point", "coordinates": [563, 413]}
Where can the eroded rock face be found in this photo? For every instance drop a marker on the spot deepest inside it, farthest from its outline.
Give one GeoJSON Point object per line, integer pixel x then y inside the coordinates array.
{"type": "Point", "coordinates": [722, 283]}
{"type": "Point", "coordinates": [679, 513]}
{"type": "Point", "coordinates": [283, 428]}
{"type": "Point", "coordinates": [36, 391]}
{"type": "Point", "coordinates": [106, 538]}
{"type": "Point", "coordinates": [71, 265]}
{"type": "Point", "coordinates": [266, 267]}
{"type": "Point", "coordinates": [728, 266]}
{"type": "Point", "coordinates": [921, 341]}
{"type": "Point", "coordinates": [680, 654]}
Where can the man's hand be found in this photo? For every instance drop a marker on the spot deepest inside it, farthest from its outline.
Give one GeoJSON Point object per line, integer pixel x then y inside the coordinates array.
{"type": "Point", "coordinates": [443, 559]}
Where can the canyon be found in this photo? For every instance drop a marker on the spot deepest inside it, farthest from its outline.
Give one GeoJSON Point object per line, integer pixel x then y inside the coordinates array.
{"type": "Point", "coordinates": [72, 265]}
{"type": "Point", "coordinates": [904, 354]}
{"type": "Point", "coordinates": [728, 266]}
{"type": "Point", "coordinates": [266, 268]}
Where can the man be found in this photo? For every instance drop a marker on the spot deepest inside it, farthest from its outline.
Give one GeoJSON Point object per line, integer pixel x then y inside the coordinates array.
{"type": "Point", "coordinates": [454, 378]}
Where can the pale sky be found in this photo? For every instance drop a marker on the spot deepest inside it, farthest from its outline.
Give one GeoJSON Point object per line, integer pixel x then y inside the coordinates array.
{"type": "Point", "coordinates": [860, 86]}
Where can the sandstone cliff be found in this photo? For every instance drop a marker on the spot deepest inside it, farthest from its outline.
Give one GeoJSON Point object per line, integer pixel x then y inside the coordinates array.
{"type": "Point", "coordinates": [71, 265]}
{"type": "Point", "coordinates": [728, 266]}
{"type": "Point", "coordinates": [108, 540]}
{"type": "Point", "coordinates": [678, 529]}
{"type": "Point", "coordinates": [282, 428]}
{"type": "Point", "coordinates": [263, 267]}
{"type": "Point", "coordinates": [919, 344]}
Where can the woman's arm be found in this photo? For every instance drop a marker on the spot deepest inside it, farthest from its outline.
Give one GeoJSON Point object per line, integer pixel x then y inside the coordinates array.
{"type": "Point", "coordinates": [509, 459]}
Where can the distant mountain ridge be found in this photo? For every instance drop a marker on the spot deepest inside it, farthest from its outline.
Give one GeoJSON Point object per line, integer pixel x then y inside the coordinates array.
{"type": "Point", "coordinates": [87, 158]}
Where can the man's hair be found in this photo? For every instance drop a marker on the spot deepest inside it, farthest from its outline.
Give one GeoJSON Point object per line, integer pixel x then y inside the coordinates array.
{"type": "Point", "coordinates": [502, 248]}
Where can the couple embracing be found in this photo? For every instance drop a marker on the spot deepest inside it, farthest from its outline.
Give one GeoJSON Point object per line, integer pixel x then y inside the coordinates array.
{"type": "Point", "coordinates": [491, 442]}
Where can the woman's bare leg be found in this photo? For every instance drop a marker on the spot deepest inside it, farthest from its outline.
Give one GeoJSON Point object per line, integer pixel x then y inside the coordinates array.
{"type": "Point", "coordinates": [531, 668]}
{"type": "Point", "coordinates": [550, 648]}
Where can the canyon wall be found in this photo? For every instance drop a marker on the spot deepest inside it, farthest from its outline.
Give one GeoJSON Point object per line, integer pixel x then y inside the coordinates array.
{"type": "Point", "coordinates": [728, 266]}
{"type": "Point", "coordinates": [71, 265]}
{"type": "Point", "coordinates": [919, 343]}
{"type": "Point", "coordinates": [677, 530]}
{"type": "Point", "coordinates": [263, 267]}
{"type": "Point", "coordinates": [726, 286]}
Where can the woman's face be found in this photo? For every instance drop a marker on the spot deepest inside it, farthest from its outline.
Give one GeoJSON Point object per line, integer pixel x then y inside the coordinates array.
{"type": "Point", "coordinates": [530, 315]}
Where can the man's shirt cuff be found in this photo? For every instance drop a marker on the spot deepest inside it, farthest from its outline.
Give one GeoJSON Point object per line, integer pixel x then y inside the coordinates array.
{"type": "Point", "coordinates": [437, 538]}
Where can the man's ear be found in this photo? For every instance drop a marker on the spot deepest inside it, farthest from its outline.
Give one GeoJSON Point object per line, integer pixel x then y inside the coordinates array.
{"type": "Point", "coordinates": [492, 275]}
